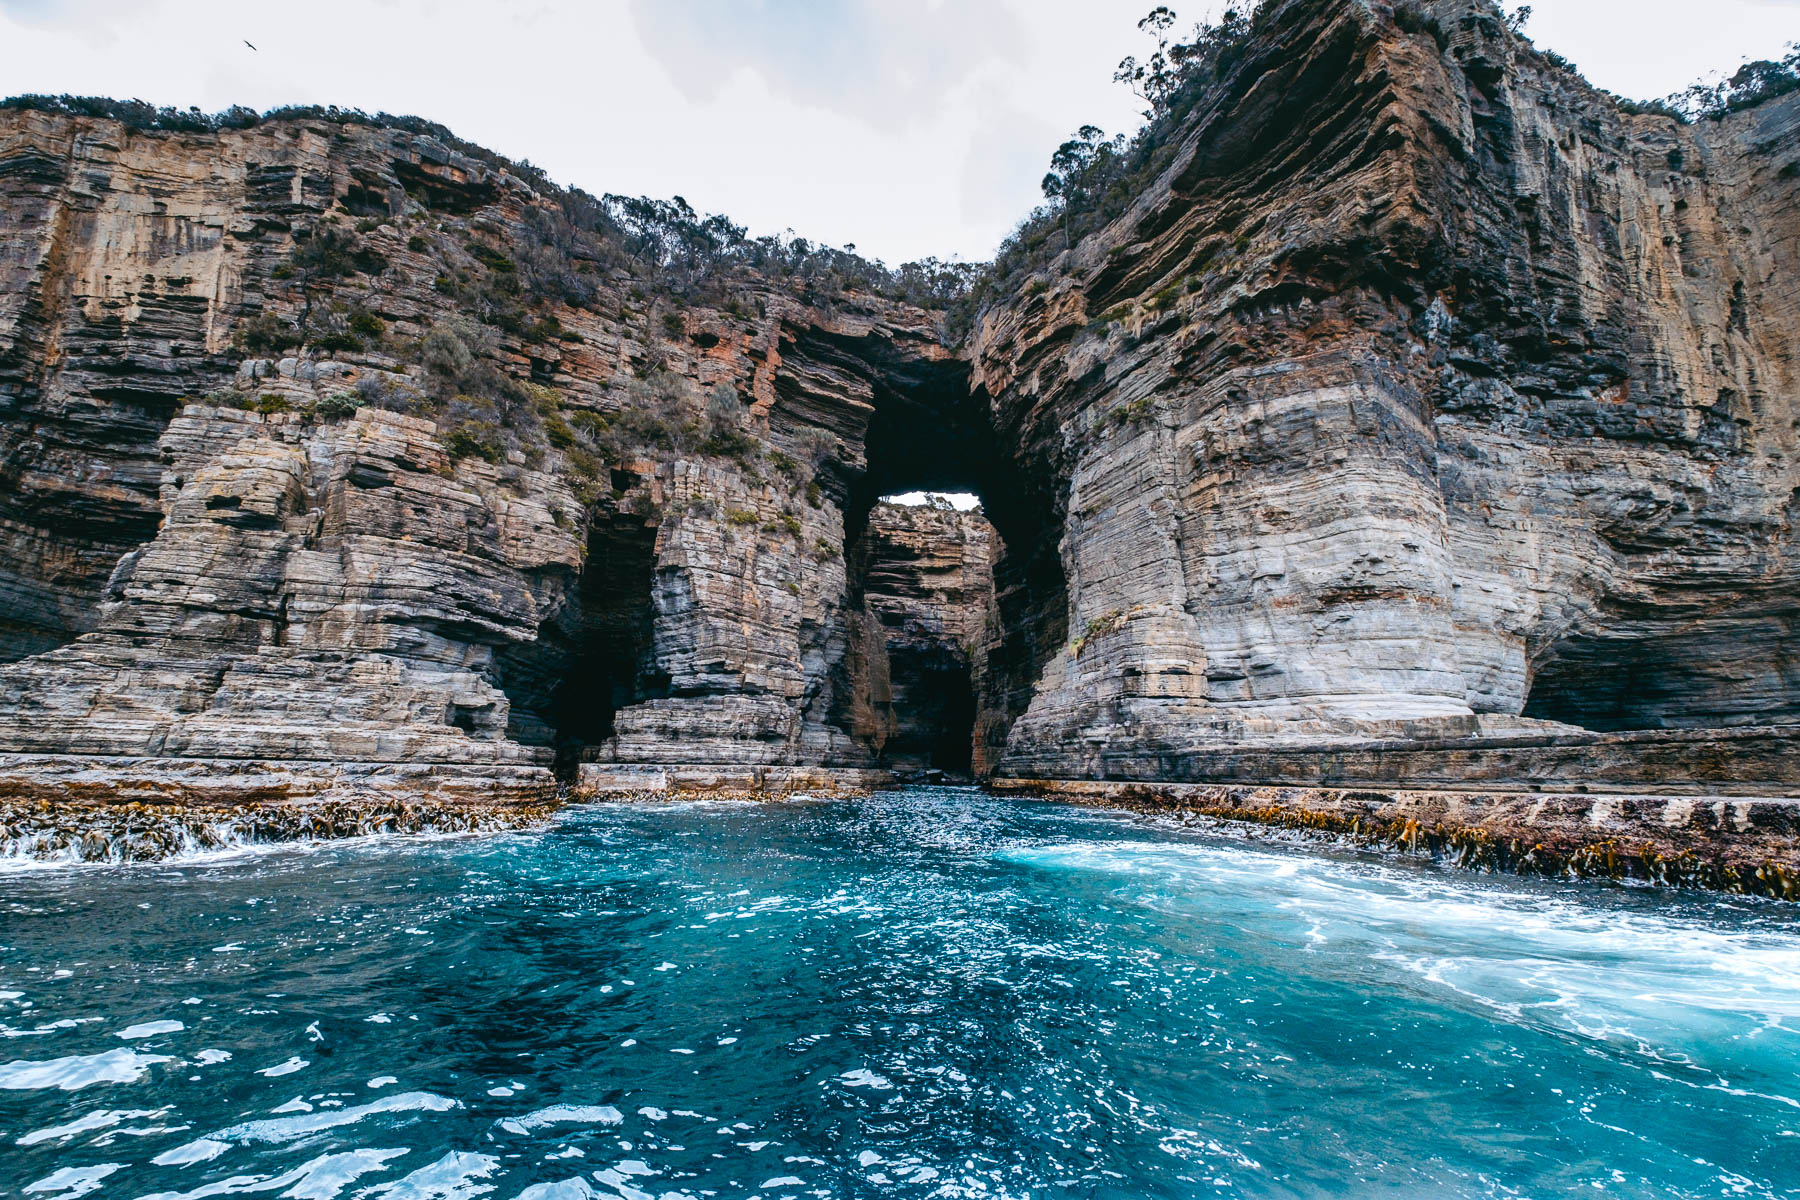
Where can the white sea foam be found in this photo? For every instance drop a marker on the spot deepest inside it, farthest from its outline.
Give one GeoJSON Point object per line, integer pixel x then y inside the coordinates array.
{"type": "Point", "coordinates": [74, 1181]}
{"type": "Point", "coordinates": [575, 1188]}
{"type": "Point", "coordinates": [69, 1182]}
{"type": "Point", "coordinates": [863, 1077]}
{"type": "Point", "coordinates": [104, 1119]}
{"type": "Point", "coordinates": [149, 1029]}
{"type": "Point", "coordinates": [621, 1186]}
{"type": "Point", "coordinates": [1671, 986]}
{"type": "Point", "coordinates": [285, 1068]}
{"type": "Point", "coordinates": [321, 1178]}
{"type": "Point", "coordinates": [286, 1129]}
{"type": "Point", "coordinates": [456, 1176]}
{"type": "Point", "coordinates": [564, 1114]}
{"type": "Point", "coordinates": [78, 1070]}
{"type": "Point", "coordinates": [198, 1151]}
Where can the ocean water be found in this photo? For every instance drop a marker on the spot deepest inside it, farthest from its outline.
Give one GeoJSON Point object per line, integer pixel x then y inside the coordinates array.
{"type": "Point", "coordinates": [927, 993]}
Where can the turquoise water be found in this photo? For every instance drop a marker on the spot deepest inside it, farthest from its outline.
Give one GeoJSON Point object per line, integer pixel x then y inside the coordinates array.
{"type": "Point", "coordinates": [930, 993]}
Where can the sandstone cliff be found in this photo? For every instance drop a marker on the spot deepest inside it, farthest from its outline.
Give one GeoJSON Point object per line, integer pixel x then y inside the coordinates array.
{"type": "Point", "coordinates": [1421, 385]}
{"type": "Point", "coordinates": [413, 535]}
{"type": "Point", "coordinates": [1422, 414]}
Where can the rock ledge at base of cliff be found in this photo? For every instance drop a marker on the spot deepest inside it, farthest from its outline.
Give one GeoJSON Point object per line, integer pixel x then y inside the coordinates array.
{"type": "Point", "coordinates": [1737, 844]}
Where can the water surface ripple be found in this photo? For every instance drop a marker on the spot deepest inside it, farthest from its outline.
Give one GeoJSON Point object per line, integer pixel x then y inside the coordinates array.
{"type": "Point", "coordinates": [929, 993]}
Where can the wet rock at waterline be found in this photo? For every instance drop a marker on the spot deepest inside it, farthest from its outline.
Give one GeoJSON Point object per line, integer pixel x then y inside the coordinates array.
{"type": "Point", "coordinates": [52, 832]}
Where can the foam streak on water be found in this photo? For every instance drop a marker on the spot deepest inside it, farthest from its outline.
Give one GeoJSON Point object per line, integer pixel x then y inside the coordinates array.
{"type": "Point", "coordinates": [931, 993]}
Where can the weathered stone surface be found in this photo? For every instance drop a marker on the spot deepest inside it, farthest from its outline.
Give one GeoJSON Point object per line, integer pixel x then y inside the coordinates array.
{"type": "Point", "coordinates": [926, 578]}
{"type": "Point", "coordinates": [111, 779]}
{"type": "Point", "coordinates": [1422, 383]}
{"type": "Point", "coordinates": [117, 818]}
{"type": "Point", "coordinates": [606, 780]}
{"type": "Point", "coordinates": [314, 593]}
{"type": "Point", "coordinates": [1427, 416]}
{"type": "Point", "coordinates": [323, 579]}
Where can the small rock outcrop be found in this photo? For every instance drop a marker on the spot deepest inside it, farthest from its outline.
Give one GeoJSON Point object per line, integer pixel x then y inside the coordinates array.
{"type": "Point", "coordinates": [1421, 414]}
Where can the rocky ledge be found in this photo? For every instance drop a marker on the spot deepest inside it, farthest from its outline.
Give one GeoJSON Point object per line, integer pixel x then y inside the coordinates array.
{"type": "Point", "coordinates": [1733, 844]}
{"type": "Point", "coordinates": [61, 830]}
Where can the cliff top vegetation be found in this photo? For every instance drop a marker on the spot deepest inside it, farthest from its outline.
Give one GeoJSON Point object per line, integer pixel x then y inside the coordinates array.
{"type": "Point", "coordinates": [1090, 180]}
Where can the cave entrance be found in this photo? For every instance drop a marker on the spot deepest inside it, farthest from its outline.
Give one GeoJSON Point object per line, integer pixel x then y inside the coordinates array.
{"type": "Point", "coordinates": [607, 669]}
{"type": "Point", "coordinates": [591, 659]}
{"type": "Point", "coordinates": [1734, 669]}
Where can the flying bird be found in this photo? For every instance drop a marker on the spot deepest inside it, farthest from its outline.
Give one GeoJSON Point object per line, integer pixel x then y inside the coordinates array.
{"type": "Point", "coordinates": [247, 43]}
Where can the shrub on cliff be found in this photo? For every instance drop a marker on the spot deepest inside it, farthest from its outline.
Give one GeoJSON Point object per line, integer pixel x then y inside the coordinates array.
{"type": "Point", "coordinates": [702, 258]}
{"type": "Point", "coordinates": [475, 439]}
{"type": "Point", "coordinates": [561, 251]}
{"type": "Point", "coordinates": [337, 404]}
{"type": "Point", "coordinates": [1750, 85]}
{"type": "Point", "coordinates": [723, 422]}
{"type": "Point", "coordinates": [266, 334]}
{"type": "Point", "coordinates": [138, 114]}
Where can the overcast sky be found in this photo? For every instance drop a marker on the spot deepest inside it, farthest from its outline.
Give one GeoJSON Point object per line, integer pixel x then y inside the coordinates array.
{"type": "Point", "coordinates": [906, 127]}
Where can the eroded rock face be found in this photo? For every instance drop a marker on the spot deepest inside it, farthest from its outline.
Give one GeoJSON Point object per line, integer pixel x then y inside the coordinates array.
{"type": "Point", "coordinates": [927, 583]}
{"type": "Point", "coordinates": [1422, 383]}
{"type": "Point", "coordinates": [1423, 409]}
{"type": "Point", "coordinates": [314, 593]}
{"type": "Point", "coordinates": [320, 578]}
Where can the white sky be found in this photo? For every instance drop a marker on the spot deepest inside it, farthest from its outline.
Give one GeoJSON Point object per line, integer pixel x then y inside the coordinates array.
{"type": "Point", "coordinates": [906, 127]}
{"type": "Point", "coordinates": [960, 500]}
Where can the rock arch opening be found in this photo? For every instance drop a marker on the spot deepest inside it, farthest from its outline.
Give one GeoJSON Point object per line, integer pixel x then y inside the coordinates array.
{"type": "Point", "coordinates": [952, 613]}
{"type": "Point", "coordinates": [922, 598]}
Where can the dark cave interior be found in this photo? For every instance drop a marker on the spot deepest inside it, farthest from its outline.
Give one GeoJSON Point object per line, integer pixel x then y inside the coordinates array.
{"type": "Point", "coordinates": [591, 660]}
{"type": "Point", "coordinates": [1706, 673]}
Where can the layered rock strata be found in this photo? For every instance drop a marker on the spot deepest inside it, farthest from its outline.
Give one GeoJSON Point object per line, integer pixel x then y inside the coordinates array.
{"type": "Point", "coordinates": [1422, 415]}
{"type": "Point", "coordinates": [1422, 383]}
{"type": "Point", "coordinates": [926, 583]}
{"type": "Point", "coordinates": [637, 554]}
